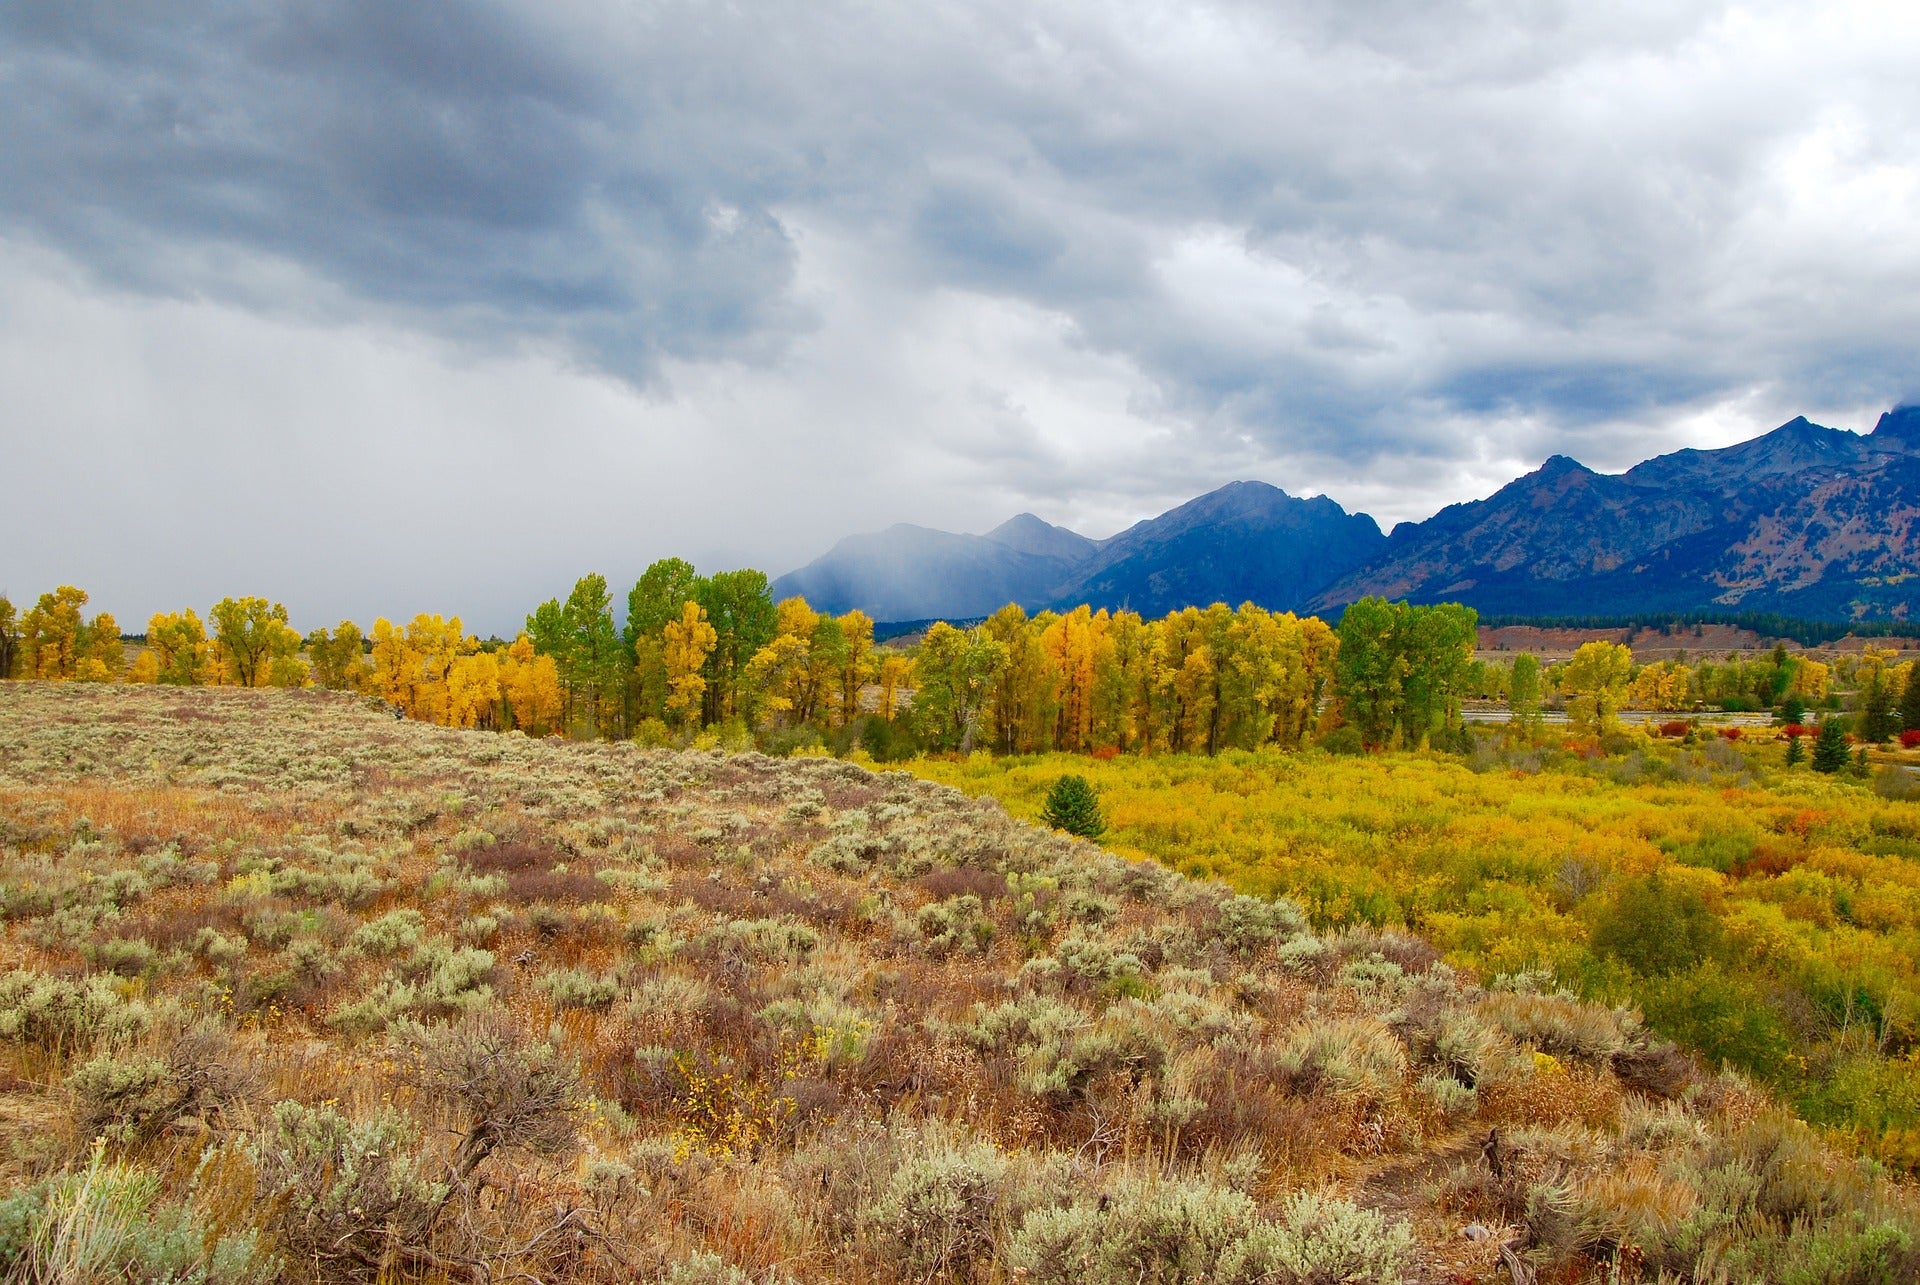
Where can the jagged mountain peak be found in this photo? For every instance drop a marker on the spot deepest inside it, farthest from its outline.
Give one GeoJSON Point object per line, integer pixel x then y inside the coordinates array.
{"type": "Point", "coordinates": [1030, 534]}
{"type": "Point", "coordinates": [1803, 519]}
{"type": "Point", "coordinates": [1901, 425]}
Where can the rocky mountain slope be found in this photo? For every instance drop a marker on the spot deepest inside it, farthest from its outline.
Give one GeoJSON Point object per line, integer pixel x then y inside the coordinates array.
{"type": "Point", "coordinates": [1805, 520]}
{"type": "Point", "coordinates": [1247, 540]}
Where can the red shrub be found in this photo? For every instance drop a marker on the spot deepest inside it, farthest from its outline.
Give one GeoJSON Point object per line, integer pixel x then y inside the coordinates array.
{"type": "Point", "coordinates": [959, 882]}
{"type": "Point", "coordinates": [1731, 733]}
{"type": "Point", "coordinates": [551, 885]}
{"type": "Point", "coordinates": [1106, 753]}
{"type": "Point", "coordinates": [1910, 738]}
{"type": "Point", "coordinates": [1794, 730]}
{"type": "Point", "coordinates": [510, 855]}
{"type": "Point", "coordinates": [1674, 728]}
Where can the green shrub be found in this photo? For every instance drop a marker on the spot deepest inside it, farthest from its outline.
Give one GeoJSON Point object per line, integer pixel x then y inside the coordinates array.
{"type": "Point", "coordinates": [390, 934]}
{"type": "Point", "coordinates": [58, 1014]}
{"type": "Point", "coordinates": [1320, 1240]}
{"type": "Point", "coordinates": [955, 925]}
{"type": "Point", "coordinates": [1558, 1023]}
{"type": "Point", "coordinates": [705, 1268]}
{"type": "Point", "coordinates": [1247, 925]}
{"type": "Point", "coordinates": [941, 1211]}
{"type": "Point", "coordinates": [1656, 927]}
{"type": "Point", "coordinates": [1151, 1232]}
{"type": "Point", "coordinates": [343, 1194]}
{"type": "Point", "coordinates": [102, 1223]}
{"type": "Point", "coordinates": [577, 988]}
{"type": "Point", "coordinates": [1350, 1057]}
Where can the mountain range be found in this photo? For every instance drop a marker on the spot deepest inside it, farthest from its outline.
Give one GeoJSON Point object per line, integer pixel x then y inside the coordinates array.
{"type": "Point", "coordinates": [1805, 521]}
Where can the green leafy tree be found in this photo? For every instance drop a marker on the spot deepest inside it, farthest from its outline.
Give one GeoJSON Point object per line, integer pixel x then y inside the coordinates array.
{"type": "Point", "coordinates": [657, 597]}
{"type": "Point", "coordinates": [1595, 682]}
{"type": "Point", "coordinates": [1400, 668]}
{"type": "Point", "coordinates": [250, 635]}
{"type": "Point", "coordinates": [1830, 747]}
{"type": "Point", "coordinates": [338, 657]}
{"type": "Point", "coordinates": [1523, 693]}
{"type": "Point", "coordinates": [1657, 927]}
{"type": "Point", "coordinates": [1073, 805]}
{"type": "Point", "coordinates": [597, 657]}
{"type": "Point", "coordinates": [739, 606]}
{"type": "Point", "coordinates": [9, 638]}
{"type": "Point", "coordinates": [954, 675]}
{"type": "Point", "coordinates": [1370, 669]}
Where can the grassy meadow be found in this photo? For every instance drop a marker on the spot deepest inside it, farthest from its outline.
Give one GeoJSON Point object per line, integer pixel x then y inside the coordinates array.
{"type": "Point", "coordinates": [292, 991]}
{"type": "Point", "coordinates": [1765, 917]}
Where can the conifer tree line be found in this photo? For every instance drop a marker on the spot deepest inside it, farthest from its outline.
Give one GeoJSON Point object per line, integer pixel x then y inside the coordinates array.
{"type": "Point", "coordinates": [715, 658]}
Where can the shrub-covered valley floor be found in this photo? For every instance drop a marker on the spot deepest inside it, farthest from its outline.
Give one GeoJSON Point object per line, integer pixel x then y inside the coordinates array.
{"type": "Point", "coordinates": [289, 990]}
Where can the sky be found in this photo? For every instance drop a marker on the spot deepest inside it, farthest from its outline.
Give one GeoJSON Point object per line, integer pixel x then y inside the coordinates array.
{"type": "Point", "coordinates": [377, 308]}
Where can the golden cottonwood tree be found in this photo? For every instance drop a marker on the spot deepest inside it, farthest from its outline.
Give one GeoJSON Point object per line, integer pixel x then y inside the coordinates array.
{"type": "Point", "coordinates": [1595, 681]}
{"type": "Point", "coordinates": [858, 667]}
{"type": "Point", "coordinates": [182, 657]}
{"type": "Point", "coordinates": [52, 634]}
{"type": "Point", "coordinates": [338, 657]}
{"type": "Point", "coordinates": [530, 688]}
{"type": "Point", "coordinates": [689, 641]}
{"type": "Point", "coordinates": [896, 676]}
{"type": "Point", "coordinates": [255, 645]}
{"type": "Point", "coordinates": [430, 671]}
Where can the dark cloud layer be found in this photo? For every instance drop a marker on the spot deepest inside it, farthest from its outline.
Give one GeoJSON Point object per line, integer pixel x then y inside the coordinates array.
{"type": "Point", "coordinates": [933, 259]}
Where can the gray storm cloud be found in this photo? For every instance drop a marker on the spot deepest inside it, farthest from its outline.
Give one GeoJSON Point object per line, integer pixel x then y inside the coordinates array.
{"type": "Point", "coordinates": [456, 301]}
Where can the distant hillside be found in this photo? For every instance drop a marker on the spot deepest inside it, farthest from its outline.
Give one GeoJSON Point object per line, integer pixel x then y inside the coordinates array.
{"type": "Point", "coordinates": [1247, 541]}
{"type": "Point", "coordinates": [1805, 521]}
{"type": "Point", "coordinates": [915, 573]}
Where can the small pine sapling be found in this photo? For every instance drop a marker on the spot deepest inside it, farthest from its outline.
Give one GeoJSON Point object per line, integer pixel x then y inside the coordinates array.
{"type": "Point", "coordinates": [1074, 806]}
{"type": "Point", "coordinates": [1830, 747]}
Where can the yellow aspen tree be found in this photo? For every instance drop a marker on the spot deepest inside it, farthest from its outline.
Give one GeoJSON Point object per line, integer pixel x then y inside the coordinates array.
{"type": "Point", "coordinates": [249, 635]}
{"type": "Point", "coordinates": [858, 667]}
{"type": "Point", "coordinates": [1594, 682]}
{"type": "Point", "coordinates": [689, 641]}
{"type": "Point", "coordinates": [776, 680]}
{"type": "Point", "coordinates": [896, 680]}
{"type": "Point", "coordinates": [1119, 682]}
{"type": "Point", "coordinates": [396, 668]}
{"type": "Point", "coordinates": [530, 686]}
{"type": "Point", "coordinates": [1811, 678]}
{"type": "Point", "coordinates": [473, 689]}
{"type": "Point", "coordinates": [1071, 645]}
{"type": "Point", "coordinates": [102, 654]}
{"type": "Point", "coordinates": [50, 634]}
{"type": "Point", "coordinates": [437, 644]}
{"type": "Point", "coordinates": [145, 668]}
{"type": "Point", "coordinates": [178, 643]}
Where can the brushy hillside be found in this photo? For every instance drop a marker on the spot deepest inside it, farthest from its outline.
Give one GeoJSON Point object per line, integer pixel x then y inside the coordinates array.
{"type": "Point", "coordinates": [291, 990]}
{"type": "Point", "coordinates": [1764, 916]}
